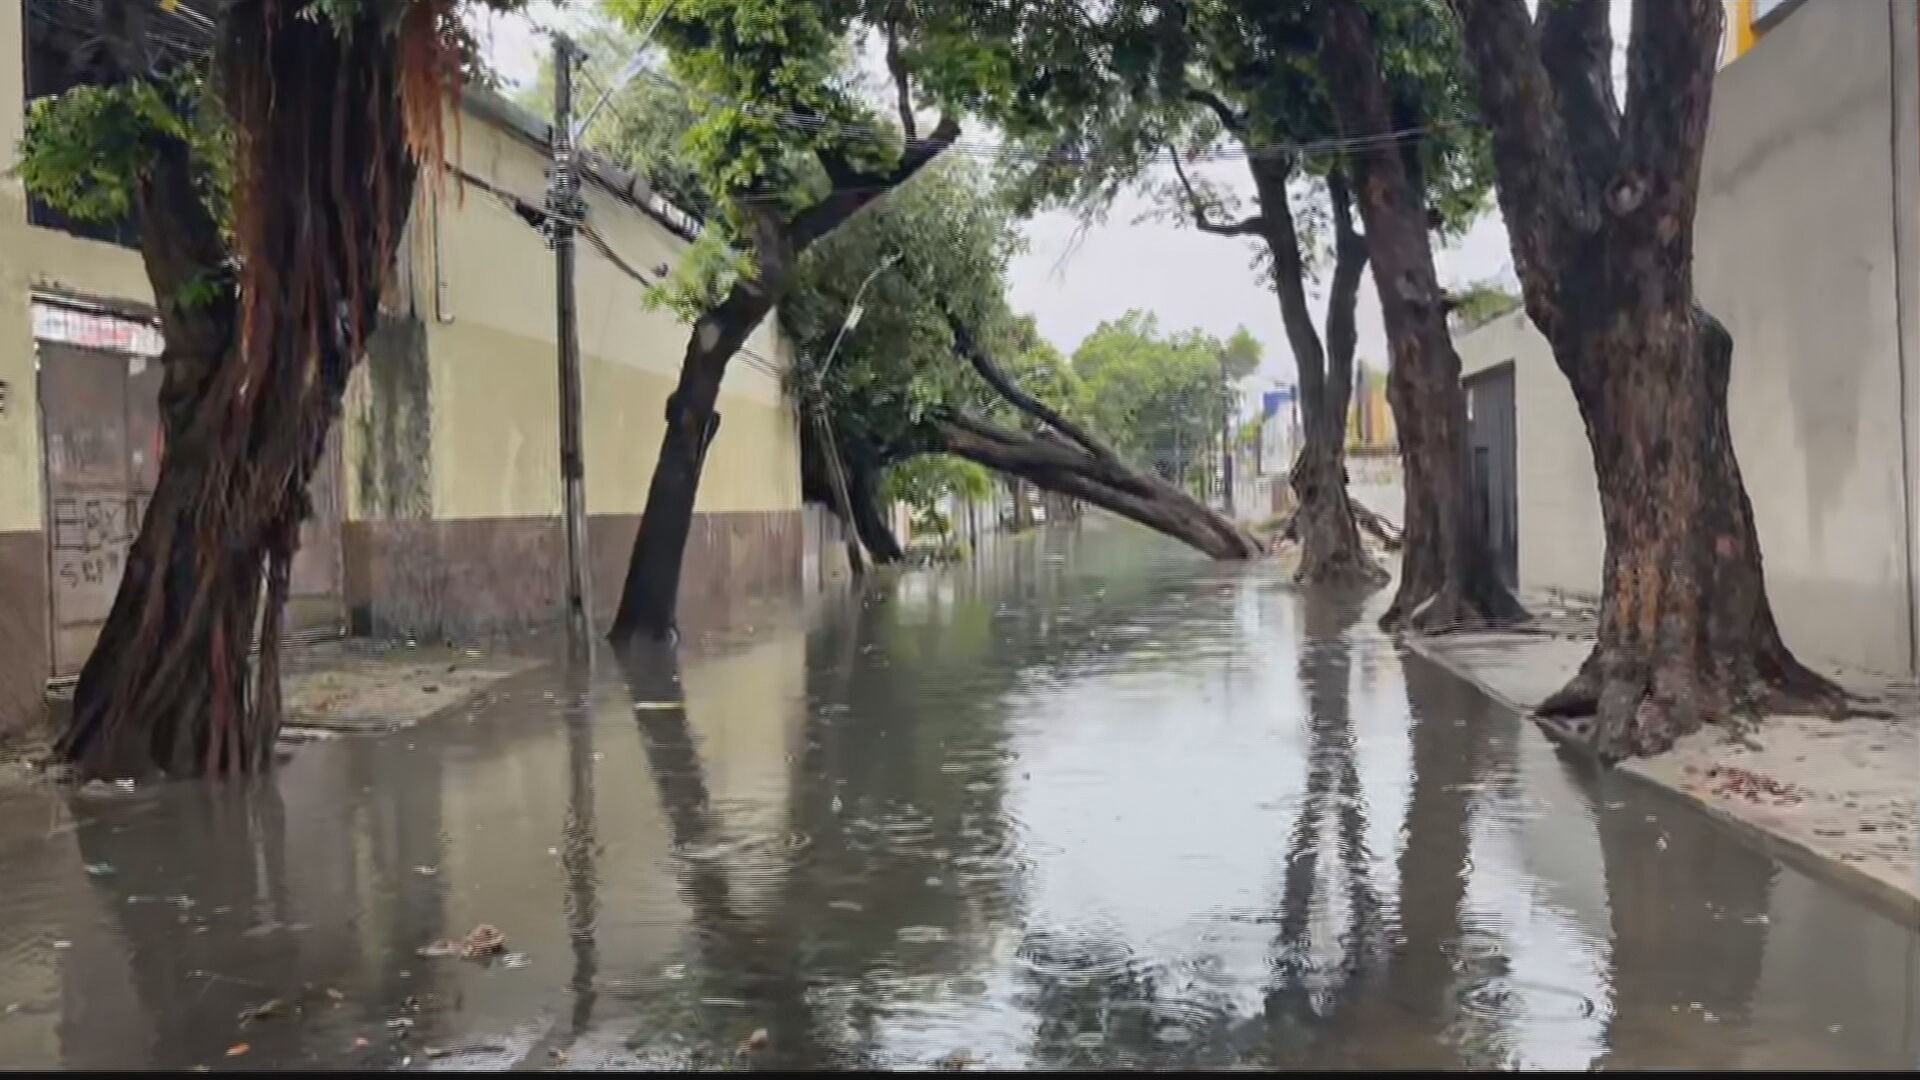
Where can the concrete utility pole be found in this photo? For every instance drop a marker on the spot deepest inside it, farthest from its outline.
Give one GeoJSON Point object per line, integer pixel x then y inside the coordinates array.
{"type": "Point", "coordinates": [564, 208]}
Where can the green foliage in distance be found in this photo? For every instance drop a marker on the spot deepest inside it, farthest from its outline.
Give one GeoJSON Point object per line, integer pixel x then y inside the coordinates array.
{"type": "Point", "coordinates": [1481, 302]}
{"type": "Point", "coordinates": [1162, 398]}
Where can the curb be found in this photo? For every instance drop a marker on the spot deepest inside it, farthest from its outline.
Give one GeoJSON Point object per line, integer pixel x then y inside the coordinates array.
{"type": "Point", "coordinates": [1898, 904]}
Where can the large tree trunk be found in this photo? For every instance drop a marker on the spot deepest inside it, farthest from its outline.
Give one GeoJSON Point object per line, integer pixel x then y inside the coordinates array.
{"type": "Point", "coordinates": [1686, 632]}
{"type": "Point", "coordinates": [869, 518]}
{"type": "Point", "coordinates": [1600, 210]}
{"type": "Point", "coordinates": [318, 214]}
{"type": "Point", "coordinates": [1057, 466]}
{"type": "Point", "coordinates": [651, 591]}
{"type": "Point", "coordinates": [1447, 577]}
{"type": "Point", "coordinates": [650, 594]}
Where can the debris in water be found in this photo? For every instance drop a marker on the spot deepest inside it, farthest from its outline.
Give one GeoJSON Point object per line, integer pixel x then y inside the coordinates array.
{"type": "Point", "coordinates": [481, 942]}
{"type": "Point", "coordinates": [845, 905]}
{"type": "Point", "coordinates": [921, 935]}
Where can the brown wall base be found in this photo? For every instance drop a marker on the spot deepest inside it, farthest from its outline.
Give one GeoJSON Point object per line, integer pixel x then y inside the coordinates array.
{"type": "Point", "coordinates": [23, 631]}
{"type": "Point", "coordinates": [459, 579]}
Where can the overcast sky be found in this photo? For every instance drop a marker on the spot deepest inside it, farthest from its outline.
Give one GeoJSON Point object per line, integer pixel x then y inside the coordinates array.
{"type": "Point", "coordinates": [1073, 279]}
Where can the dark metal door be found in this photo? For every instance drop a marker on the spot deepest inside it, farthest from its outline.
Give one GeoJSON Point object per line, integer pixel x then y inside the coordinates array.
{"type": "Point", "coordinates": [1492, 444]}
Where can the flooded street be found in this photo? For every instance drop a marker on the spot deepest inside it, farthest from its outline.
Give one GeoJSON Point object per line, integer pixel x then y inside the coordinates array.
{"type": "Point", "coordinates": [1087, 801]}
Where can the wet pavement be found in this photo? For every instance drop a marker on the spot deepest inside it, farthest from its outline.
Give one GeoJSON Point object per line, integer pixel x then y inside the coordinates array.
{"type": "Point", "coordinates": [1086, 801]}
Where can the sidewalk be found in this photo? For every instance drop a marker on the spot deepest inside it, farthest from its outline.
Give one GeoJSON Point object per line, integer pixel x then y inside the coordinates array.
{"type": "Point", "coordinates": [1840, 801]}
{"type": "Point", "coordinates": [350, 686]}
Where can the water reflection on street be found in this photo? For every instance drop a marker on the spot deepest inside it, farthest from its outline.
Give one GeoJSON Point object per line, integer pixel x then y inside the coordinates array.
{"type": "Point", "coordinates": [1086, 801]}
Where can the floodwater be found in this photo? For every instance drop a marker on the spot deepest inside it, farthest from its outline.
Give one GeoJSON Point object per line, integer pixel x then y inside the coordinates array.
{"type": "Point", "coordinates": [1087, 801]}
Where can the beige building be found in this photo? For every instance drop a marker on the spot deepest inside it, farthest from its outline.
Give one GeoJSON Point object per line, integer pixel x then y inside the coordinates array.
{"type": "Point", "coordinates": [1808, 248]}
{"type": "Point", "coordinates": [437, 513]}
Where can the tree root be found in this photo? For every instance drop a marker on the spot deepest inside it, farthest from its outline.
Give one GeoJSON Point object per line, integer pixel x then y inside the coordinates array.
{"type": "Point", "coordinates": [1451, 610]}
{"type": "Point", "coordinates": [1618, 707]}
{"type": "Point", "coordinates": [1389, 535]}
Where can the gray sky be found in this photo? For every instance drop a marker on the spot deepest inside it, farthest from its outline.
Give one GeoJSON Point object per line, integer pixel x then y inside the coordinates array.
{"type": "Point", "coordinates": [1071, 280]}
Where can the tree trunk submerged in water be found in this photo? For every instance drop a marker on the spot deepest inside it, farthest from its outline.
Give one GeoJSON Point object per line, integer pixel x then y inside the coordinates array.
{"type": "Point", "coordinates": [1447, 576]}
{"type": "Point", "coordinates": [167, 688]}
{"type": "Point", "coordinates": [650, 594]}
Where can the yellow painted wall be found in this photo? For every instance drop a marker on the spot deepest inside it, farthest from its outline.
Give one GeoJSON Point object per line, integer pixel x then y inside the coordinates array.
{"type": "Point", "coordinates": [494, 374]}
{"type": "Point", "coordinates": [491, 347]}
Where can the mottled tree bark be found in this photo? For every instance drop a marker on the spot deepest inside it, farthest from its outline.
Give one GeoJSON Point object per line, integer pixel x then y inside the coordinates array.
{"type": "Point", "coordinates": [317, 216]}
{"type": "Point", "coordinates": [1600, 208]}
{"type": "Point", "coordinates": [1447, 577]}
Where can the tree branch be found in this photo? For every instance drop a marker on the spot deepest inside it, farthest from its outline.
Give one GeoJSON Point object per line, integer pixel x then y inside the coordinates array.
{"type": "Point", "coordinates": [1576, 48]}
{"type": "Point", "coordinates": [854, 189]}
{"type": "Point", "coordinates": [1343, 297]}
{"type": "Point", "coordinates": [1541, 197]}
{"type": "Point", "coordinates": [1270, 178]}
{"type": "Point", "coordinates": [1201, 219]}
{"type": "Point", "coordinates": [1003, 384]}
{"type": "Point", "coordinates": [902, 87]}
{"type": "Point", "coordinates": [1231, 119]}
{"type": "Point", "coordinates": [1669, 91]}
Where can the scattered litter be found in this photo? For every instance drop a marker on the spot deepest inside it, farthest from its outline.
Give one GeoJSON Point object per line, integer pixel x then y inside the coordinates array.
{"type": "Point", "coordinates": [675, 972]}
{"type": "Point", "coordinates": [481, 942]}
{"type": "Point", "coordinates": [237, 1049]}
{"type": "Point", "coordinates": [360, 1043]}
{"type": "Point", "coordinates": [921, 935]}
{"type": "Point", "coordinates": [335, 996]}
{"type": "Point", "coordinates": [426, 871]}
{"type": "Point", "coordinates": [655, 706]}
{"type": "Point", "coordinates": [559, 1056]}
{"type": "Point", "coordinates": [63, 944]}
{"type": "Point", "coordinates": [756, 1042]}
{"type": "Point", "coordinates": [100, 869]}
{"type": "Point", "coordinates": [845, 905]}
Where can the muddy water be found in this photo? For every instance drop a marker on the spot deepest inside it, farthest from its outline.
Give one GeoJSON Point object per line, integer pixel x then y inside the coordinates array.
{"type": "Point", "coordinates": [1085, 802]}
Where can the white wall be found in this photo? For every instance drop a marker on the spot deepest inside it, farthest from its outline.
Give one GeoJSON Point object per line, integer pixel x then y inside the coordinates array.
{"type": "Point", "coordinates": [1795, 251]}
